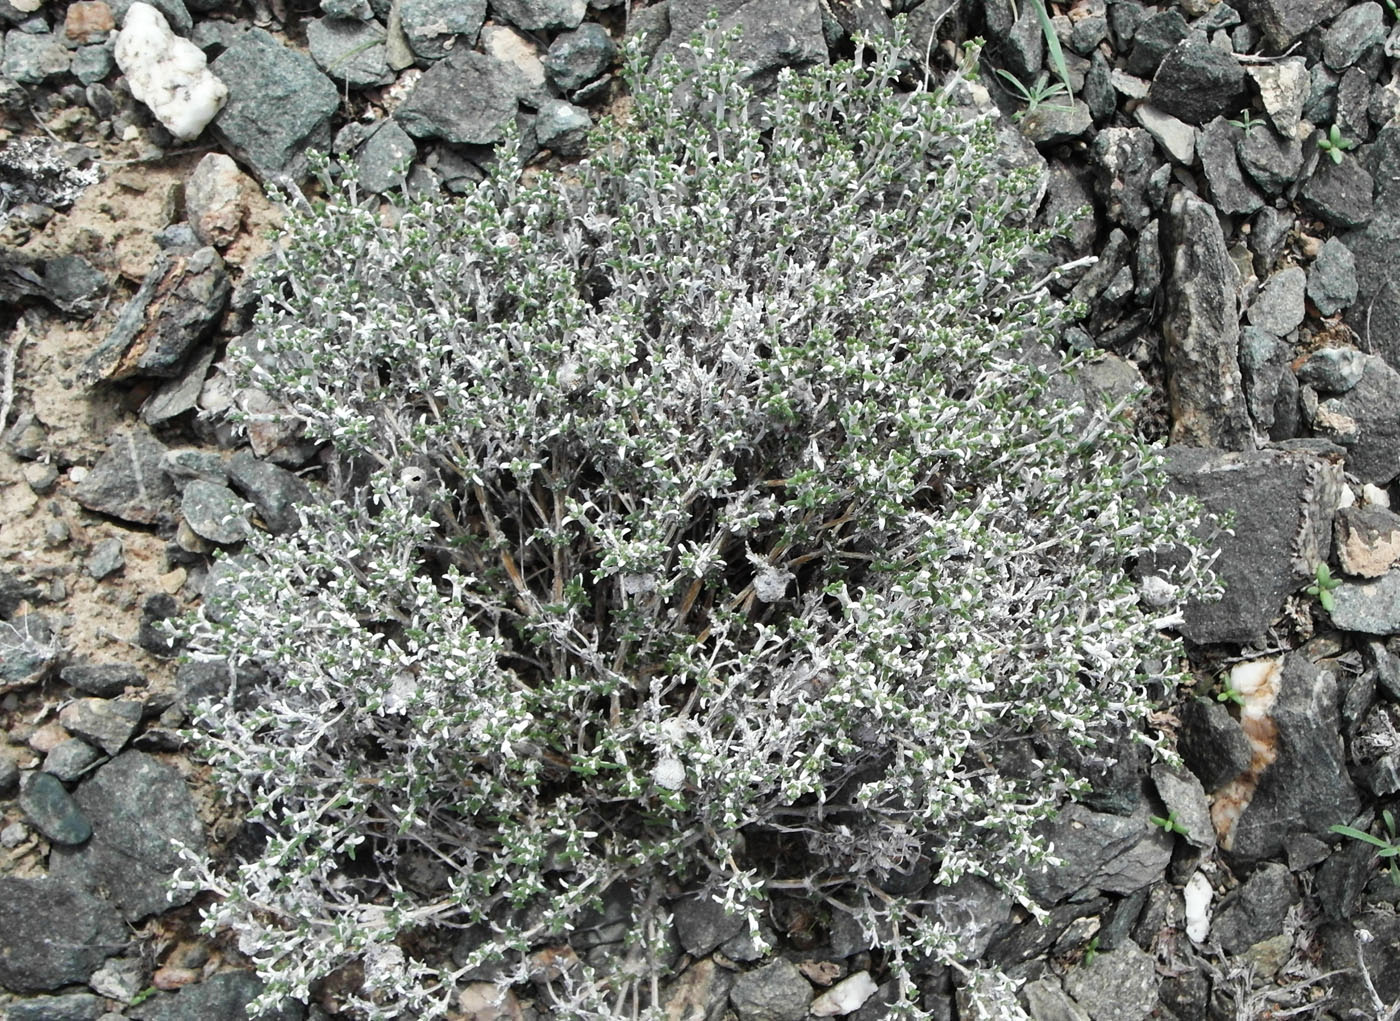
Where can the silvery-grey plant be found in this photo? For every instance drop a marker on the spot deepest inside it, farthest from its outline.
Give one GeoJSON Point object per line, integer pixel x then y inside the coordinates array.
{"type": "Point", "coordinates": [695, 501]}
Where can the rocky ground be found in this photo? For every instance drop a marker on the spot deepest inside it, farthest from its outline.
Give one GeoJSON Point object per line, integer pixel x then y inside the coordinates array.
{"type": "Point", "coordinates": [1236, 171]}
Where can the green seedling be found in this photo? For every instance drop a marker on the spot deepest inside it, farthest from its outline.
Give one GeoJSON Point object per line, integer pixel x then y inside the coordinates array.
{"type": "Point", "coordinates": [1333, 144]}
{"type": "Point", "coordinates": [1387, 846]}
{"type": "Point", "coordinates": [1322, 587]}
{"type": "Point", "coordinates": [1170, 823]}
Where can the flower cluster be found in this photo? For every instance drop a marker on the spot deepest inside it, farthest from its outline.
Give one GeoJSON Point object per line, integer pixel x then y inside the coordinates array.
{"type": "Point", "coordinates": [696, 518]}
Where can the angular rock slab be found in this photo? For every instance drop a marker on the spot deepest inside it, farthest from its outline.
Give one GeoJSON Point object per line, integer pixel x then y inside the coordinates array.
{"type": "Point", "coordinates": [1117, 853]}
{"type": "Point", "coordinates": [1281, 504]}
{"type": "Point", "coordinates": [1297, 780]}
{"type": "Point", "coordinates": [279, 105]}
{"type": "Point", "coordinates": [1201, 327]}
{"type": "Point", "coordinates": [178, 305]}
{"type": "Point", "coordinates": [129, 480]}
{"type": "Point", "coordinates": [53, 933]}
{"type": "Point", "coordinates": [139, 807]}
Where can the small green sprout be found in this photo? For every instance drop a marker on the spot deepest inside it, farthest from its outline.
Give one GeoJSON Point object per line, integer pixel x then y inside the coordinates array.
{"type": "Point", "coordinates": [1333, 144]}
{"type": "Point", "coordinates": [1170, 823]}
{"type": "Point", "coordinates": [1322, 587]}
{"type": "Point", "coordinates": [1246, 121]}
{"type": "Point", "coordinates": [1388, 847]}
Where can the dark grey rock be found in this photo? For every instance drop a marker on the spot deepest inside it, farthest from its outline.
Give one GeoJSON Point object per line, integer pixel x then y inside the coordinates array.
{"type": "Point", "coordinates": [433, 27]}
{"type": "Point", "coordinates": [53, 934]}
{"type": "Point", "coordinates": [384, 158]}
{"type": "Point", "coordinates": [1283, 21]}
{"type": "Point", "coordinates": [72, 280]}
{"type": "Point", "coordinates": [532, 15]}
{"type": "Point", "coordinates": [775, 992]}
{"type": "Point", "coordinates": [1274, 162]}
{"type": "Point", "coordinates": [1185, 799]}
{"type": "Point", "coordinates": [68, 1007]}
{"type": "Point", "coordinates": [176, 396]}
{"type": "Point", "coordinates": [1333, 370]}
{"type": "Point", "coordinates": [51, 810]}
{"type": "Point", "coordinates": [1216, 146]}
{"type": "Point", "coordinates": [702, 925]}
{"type": "Point", "coordinates": [1201, 328]}
{"type": "Point", "coordinates": [1212, 743]}
{"type": "Point", "coordinates": [1304, 788]}
{"type": "Point", "coordinates": [1120, 985]}
{"type": "Point", "coordinates": [177, 306]}
{"type": "Point", "coordinates": [129, 480]}
{"type": "Point", "coordinates": [349, 52]}
{"type": "Point", "coordinates": [1197, 82]}
{"type": "Point", "coordinates": [29, 651]}
{"type": "Point", "coordinates": [1366, 420]}
{"type": "Point", "coordinates": [34, 58]}
{"type": "Point", "coordinates": [1339, 193]}
{"type": "Point", "coordinates": [1255, 911]}
{"type": "Point", "coordinates": [70, 760]}
{"type": "Point", "coordinates": [467, 98]}
{"type": "Point", "coordinates": [1281, 505]}
{"type": "Point", "coordinates": [1057, 122]}
{"type": "Point", "coordinates": [107, 558]}
{"type": "Point", "coordinates": [221, 997]}
{"type": "Point", "coordinates": [273, 491]}
{"type": "Point", "coordinates": [1370, 607]}
{"type": "Point", "coordinates": [1375, 750]}
{"type": "Point", "coordinates": [1153, 39]}
{"type": "Point", "coordinates": [562, 127]}
{"type": "Point", "coordinates": [279, 105]}
{"type": "Point", "coordinates": [1332, 282]}
{"type": "Point", "coordinates": [107, 680]}
{"type": "Point", "coordinates": [140, 808]}
{"type": "Point", "coordinates": [214, 512]}
{"type": "Point", "coordinates": [107, 723]}
{"type": "Point", "coordinates": [1112, 853]}
{"type": "Point", "coordinates": [1124, 160]}
{"type": "Point", "coordinates": [972, 911]}
{"type": "Point", "coordinates": [1355, 30]}
{"type": "Point", "coordinates": [1278, 308]}
{"type": "Point", "coordinates": [576, 58]}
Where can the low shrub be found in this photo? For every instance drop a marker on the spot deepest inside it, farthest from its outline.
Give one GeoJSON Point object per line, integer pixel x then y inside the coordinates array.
{"type": "Point", "coordinates": [695, 519]}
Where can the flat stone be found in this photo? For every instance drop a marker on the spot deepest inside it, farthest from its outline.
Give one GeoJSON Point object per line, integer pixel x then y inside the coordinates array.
{"type": "Point", "coordinates": [178, 305]}
{"type": "Point", "coordinates": [351, 52]}
{"type": "Point", "coordinates": [51, 810]}
{"type": "Point", "coordinates": [140, 808]}
{"type": "Point", "coordinates": [53, 934]}
{"type": "Point", "coordinates": [1197, 82]}
{"type": "Point", "coordinates": [215, 512]}
{"type": "Point", "coordinates": [1113, 853]}
{"type": "Point", "coordinates": [107, 680]}
{"type": "Point", "coordinates": [1202, 331]}
{"type": "Point", "coordinates": [1369, 607]}
{"type": "Point", "coordinates": [1256, 910]}
{"type": "Point", "coordinates": [273, 491]}
{"type": "Point", "coordinates": [576, 58]}
{"type": "Point", "coordinates": [467, 98]}
{"type": "Point", "coordinates": [775, 992]}
{"type": "Point", "coordinates": [1119, 985]}
{"type": "Point", "coordinates": [1279, 307]}
{"type": "Point", "coordinates": [1332, 284]}
{"type": "Point", "coordinates": [433, 27]}
{"type": "Point", "coordinates": [279, 105]}
{"type": "Point", "coordinates": [1366, 420]}
{"type": "Point", "coordinates": [1339, 193]}
{"type": "Point", "coordinates": [1281, 505]}
{"type": "Point", "coordinates": [129, 480]}
{"type": "Point", "coordinates": [1368, 540]}
{"type": "Point", "coordinates": [70, 760]}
